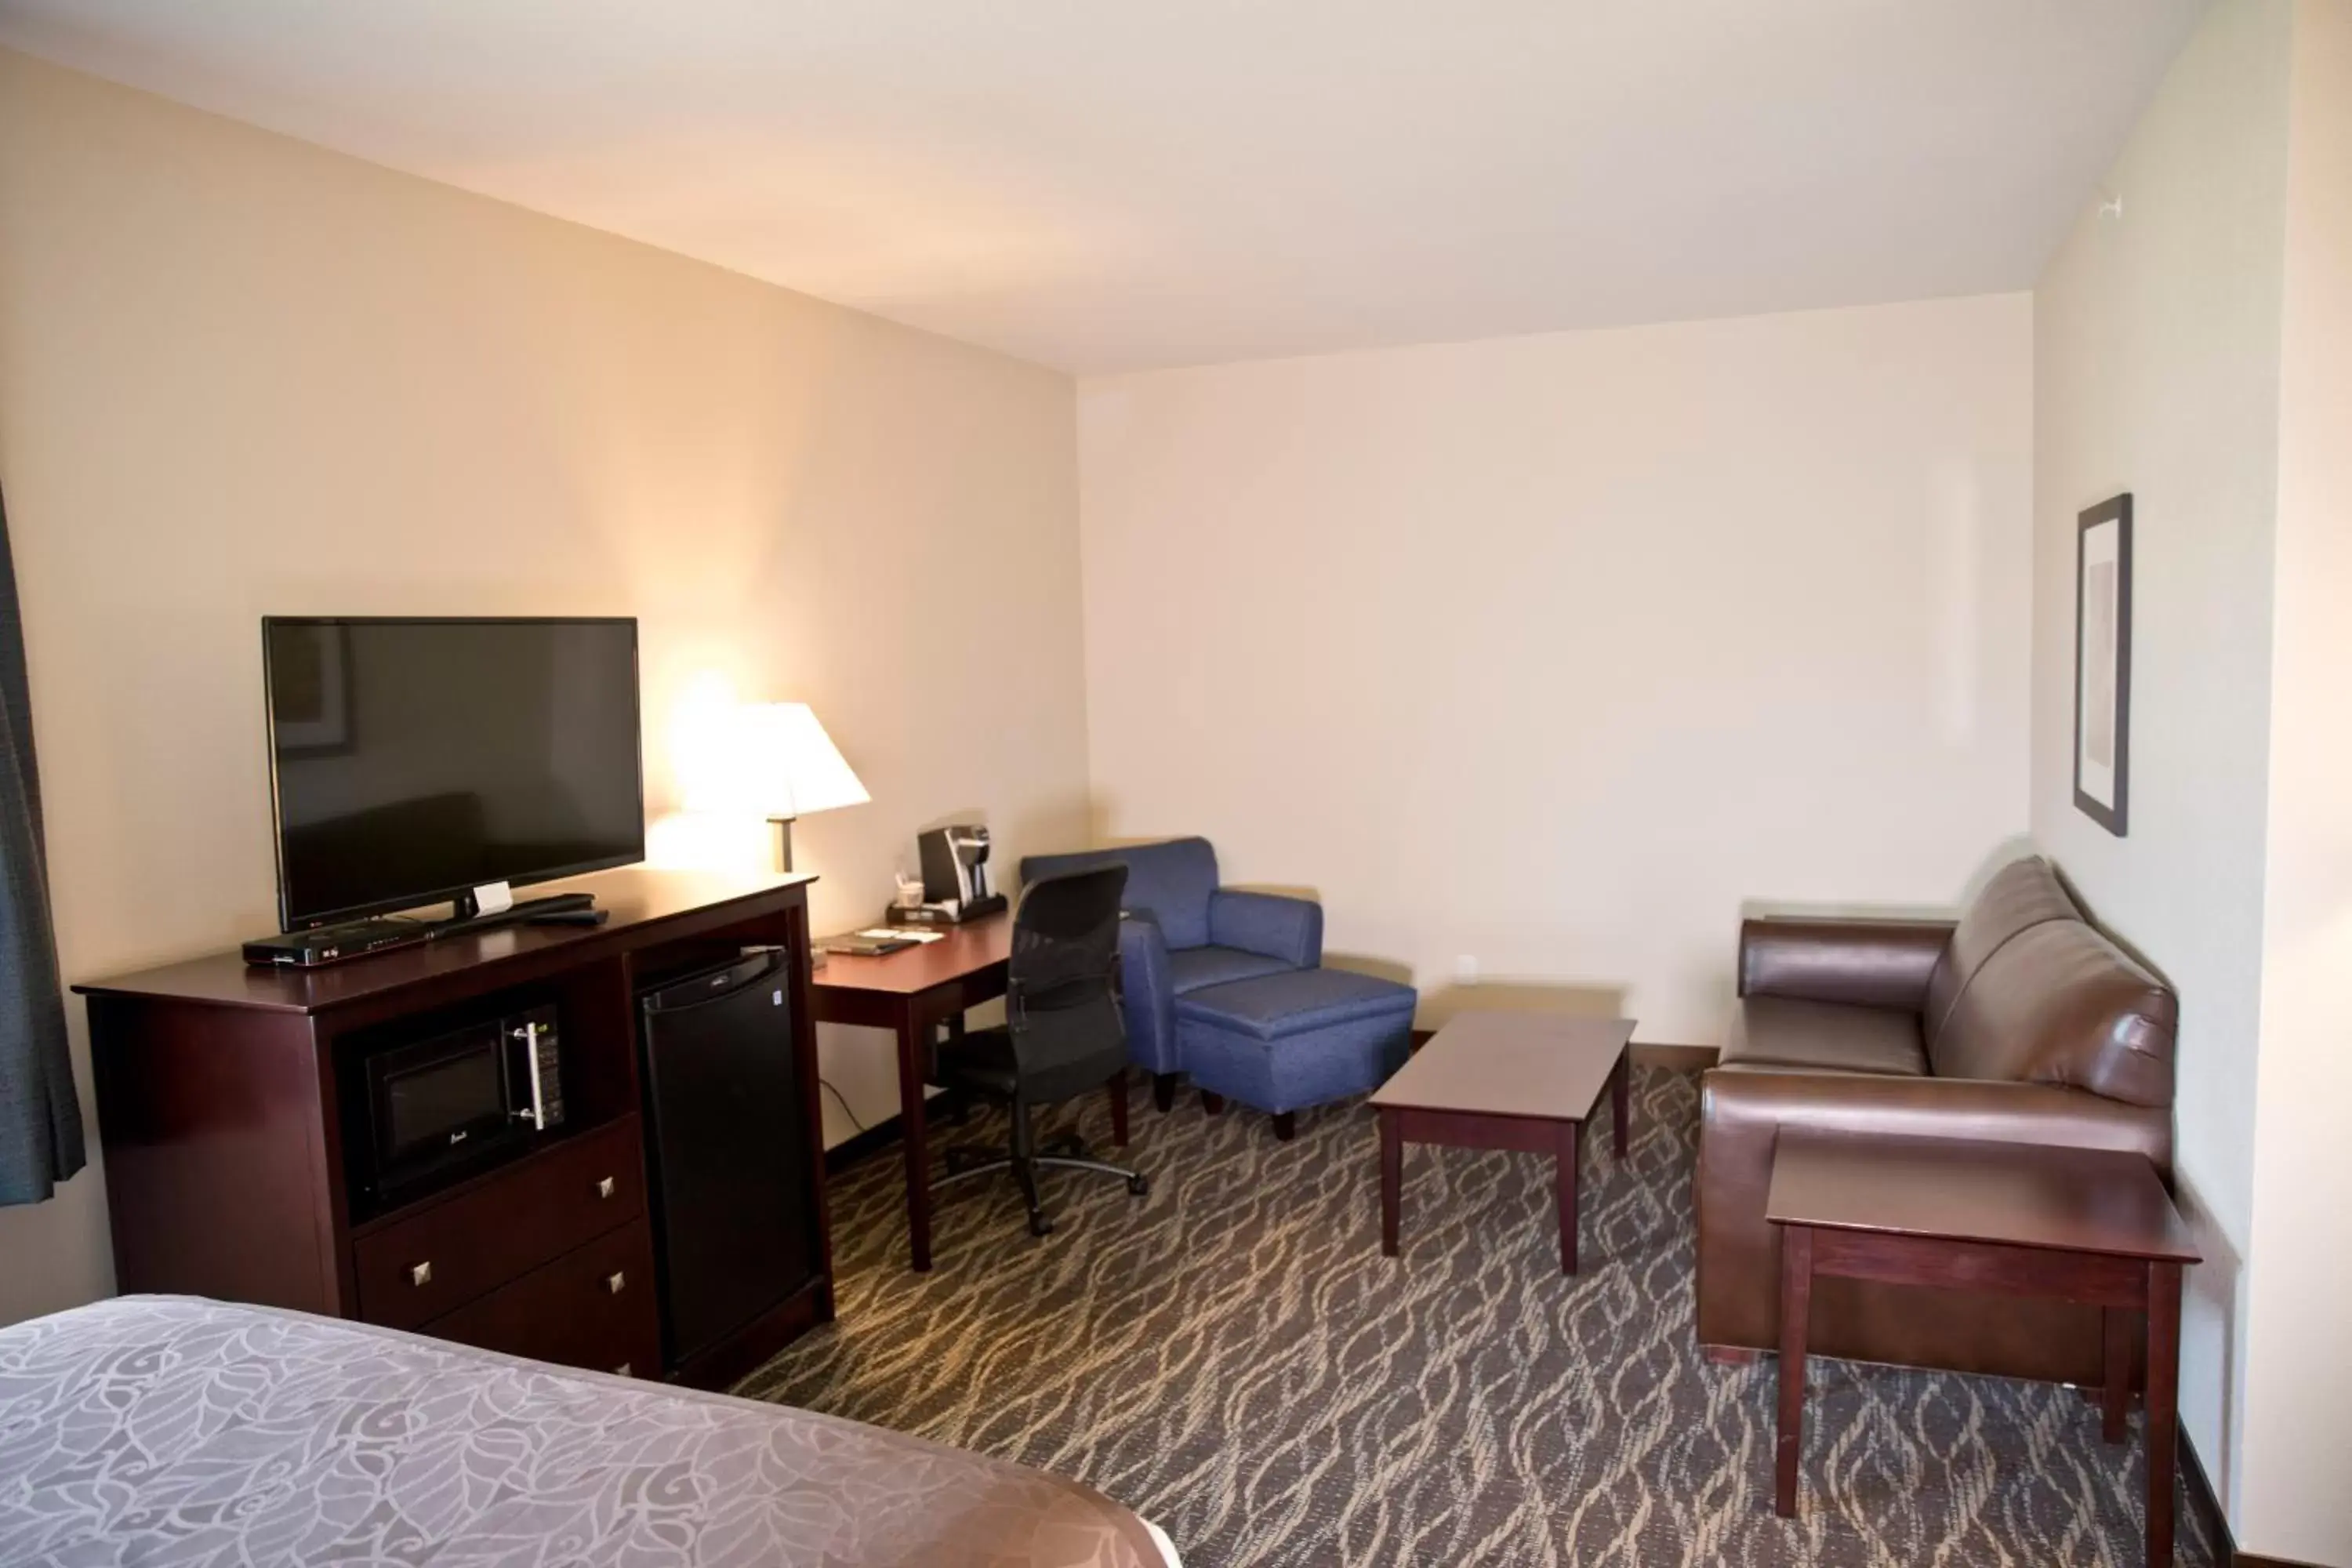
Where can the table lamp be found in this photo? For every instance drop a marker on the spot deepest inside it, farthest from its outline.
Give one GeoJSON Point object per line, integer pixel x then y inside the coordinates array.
{"type": "Point", "coordinates": [790, 766]}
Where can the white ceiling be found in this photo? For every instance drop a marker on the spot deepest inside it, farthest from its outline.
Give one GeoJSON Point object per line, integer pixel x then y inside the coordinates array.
{"type": "Point", "coordinates": [1111, 185]}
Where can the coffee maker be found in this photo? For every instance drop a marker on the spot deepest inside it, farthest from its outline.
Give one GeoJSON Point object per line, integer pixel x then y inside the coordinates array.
{"type": "Point", "coordinates": [955, 878]}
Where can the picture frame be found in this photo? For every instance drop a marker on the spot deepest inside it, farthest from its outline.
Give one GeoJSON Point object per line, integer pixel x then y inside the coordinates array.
{"type": "Point", "coordinates": [2103, 642]}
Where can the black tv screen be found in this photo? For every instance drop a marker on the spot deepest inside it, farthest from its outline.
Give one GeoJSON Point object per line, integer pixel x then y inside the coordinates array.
{"type": "Point", "coordinates": [412, 761]}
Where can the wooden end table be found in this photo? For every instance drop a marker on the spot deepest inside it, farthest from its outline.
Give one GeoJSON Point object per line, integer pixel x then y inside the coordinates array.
{"type": "Point", "coordinates": [1523, 1081]}
{"type": "Point", "coordinates": [2081, 1224]}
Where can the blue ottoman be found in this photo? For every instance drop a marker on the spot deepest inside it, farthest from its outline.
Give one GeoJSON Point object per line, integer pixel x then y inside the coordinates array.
{"type": "Point", "coordinates": [1305, 1036]}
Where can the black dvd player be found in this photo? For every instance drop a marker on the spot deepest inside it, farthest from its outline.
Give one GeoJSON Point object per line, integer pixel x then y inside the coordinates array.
{"type": "Point", "coordinates": [326, 944]}
{"type": "Point", "coordinates": [332, 944]}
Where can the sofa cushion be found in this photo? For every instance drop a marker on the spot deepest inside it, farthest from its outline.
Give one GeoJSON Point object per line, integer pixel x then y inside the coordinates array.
{"type": "Point", "coordinates": [1171, 882]}
{"type": "Point", "coordinates": [2021, 895]}
{"type": "Point", "coordinates": [1190, 968]}
{"type": "Point", "coordinates": [1836, 1036]}
{"type": "Point", "coordinates": [2060, 1004]}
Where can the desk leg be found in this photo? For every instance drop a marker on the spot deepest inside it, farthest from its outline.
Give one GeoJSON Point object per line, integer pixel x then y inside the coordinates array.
{"type": "Point", "coordinates": [1621, 1091]}
{"type": "Point", "coordinates": [1118, 1107]}
{"type": "Point", "coordinates": [914, 1138]}
{"type": "Point", "coordinates": [2115, 1398]}
{"type": "Point", "coordinates": [1796, 1311]}
{"type": "Point", "coordinates": [2163, 1423]}
{"type": "Point", "coordinates": [1563, 1177]}
{"type": "Point", "coordinates": [1391, 1181]}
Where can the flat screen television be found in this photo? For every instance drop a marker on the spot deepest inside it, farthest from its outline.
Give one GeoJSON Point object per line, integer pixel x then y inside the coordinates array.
{"type": "Point", "coordinates": [412, 761]}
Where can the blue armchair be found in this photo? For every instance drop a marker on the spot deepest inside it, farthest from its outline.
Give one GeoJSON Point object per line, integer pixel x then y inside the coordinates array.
{"type": "Point", "coordinates": [1185, 933]}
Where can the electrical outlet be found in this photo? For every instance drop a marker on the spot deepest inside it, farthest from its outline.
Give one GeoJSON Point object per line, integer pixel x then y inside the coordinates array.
{"type": "Point", "coordinates": [1466, 969]}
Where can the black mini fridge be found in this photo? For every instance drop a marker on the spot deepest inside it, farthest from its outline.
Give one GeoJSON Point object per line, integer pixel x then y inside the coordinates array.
{"type": "Point", "coordinates": [734, 1219]}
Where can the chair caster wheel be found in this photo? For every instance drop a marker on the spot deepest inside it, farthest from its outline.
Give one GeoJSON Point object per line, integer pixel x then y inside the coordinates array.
{"type": "Point", "coordinates": [1040, 1225]}
{"type": "Point", "coordinates": [1139, 1186]}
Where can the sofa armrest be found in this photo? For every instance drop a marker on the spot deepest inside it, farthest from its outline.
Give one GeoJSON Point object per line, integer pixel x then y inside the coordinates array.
{"type": "Point", "coordinates": [1147, 994]}
{"type": "Point", "coordinates": [1753, 1104]}
{"type": "Point", "coordinates": [1863, 963]}
{"type": "Point", "coordinates": [1742, 1111]}
{"type": "Point", "coordinates": [1268, 924]}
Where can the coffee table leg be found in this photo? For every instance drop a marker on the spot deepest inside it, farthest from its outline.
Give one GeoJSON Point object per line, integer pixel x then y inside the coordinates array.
{"type": "Point", "coordinates": [1796, 1309]}
{"type": "Point", "coordinates": [1564, 1178]}
{"type": "Point", "coordinates": [2163, 1426]}
{"type": "Point", "coordinates": [1391, 1181]}
{"type": "Point", "coordinates": [1620, 1092]}
{"type": "Point", "coordinates": [2114, 1399]}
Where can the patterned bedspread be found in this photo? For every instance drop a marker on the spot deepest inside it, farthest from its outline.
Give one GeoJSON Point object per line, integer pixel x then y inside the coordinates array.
{"type": "Point", "coordinates": [163, 1431]}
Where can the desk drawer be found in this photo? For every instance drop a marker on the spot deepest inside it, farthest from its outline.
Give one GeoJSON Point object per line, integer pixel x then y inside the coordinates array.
{"type": "Point", "coordinates": [593, 1308]}
{"type": "Point", "coordinates": [515, 1219]}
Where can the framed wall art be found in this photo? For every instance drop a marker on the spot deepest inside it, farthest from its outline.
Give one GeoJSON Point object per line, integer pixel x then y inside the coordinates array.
{"type": "Point", "coordinates": [2102, 638]}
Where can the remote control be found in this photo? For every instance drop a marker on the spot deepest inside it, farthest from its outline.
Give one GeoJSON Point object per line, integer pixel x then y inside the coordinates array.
{"type": "Point", "coordinates": [572, 918]}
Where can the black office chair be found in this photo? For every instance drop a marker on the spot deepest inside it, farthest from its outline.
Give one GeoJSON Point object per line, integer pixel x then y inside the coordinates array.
{"type": "Point", "coordinates": [1063, 1034]}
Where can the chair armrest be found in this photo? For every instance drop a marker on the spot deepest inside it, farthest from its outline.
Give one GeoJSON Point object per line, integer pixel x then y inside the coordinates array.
{"type": "Point", "coordinates": [1863, 963]}
{"type": "Point", "coordinates": [1268, 924]}
{"type": "Point", "coordinates": [1147, 996]}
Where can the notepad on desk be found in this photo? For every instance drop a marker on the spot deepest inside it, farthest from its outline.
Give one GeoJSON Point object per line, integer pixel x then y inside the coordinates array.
{"type": "Point", "coordinates": [875, 941]}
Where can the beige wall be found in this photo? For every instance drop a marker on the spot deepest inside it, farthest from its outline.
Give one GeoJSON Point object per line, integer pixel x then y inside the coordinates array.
{"type": "Point", "coordinates": [2155, 370]}
{"type": "Point", "coordinates": [2298, 1404]}
{"type": "Point", "coordinates": [238, 374]}
{"type": "Point", "coordinates": [1555, 652]}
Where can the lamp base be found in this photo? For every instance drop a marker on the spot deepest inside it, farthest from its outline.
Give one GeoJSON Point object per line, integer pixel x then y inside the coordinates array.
{"type": "Point", "coordinates": [783, 841]}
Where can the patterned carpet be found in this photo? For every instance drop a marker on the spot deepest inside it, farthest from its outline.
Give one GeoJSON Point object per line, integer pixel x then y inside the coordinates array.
{"type": "Point", "coordinates": [1233, 1358]}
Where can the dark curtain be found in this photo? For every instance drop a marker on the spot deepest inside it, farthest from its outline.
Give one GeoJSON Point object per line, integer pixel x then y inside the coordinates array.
{"type": "Point", "coordinates": [40, 1119]}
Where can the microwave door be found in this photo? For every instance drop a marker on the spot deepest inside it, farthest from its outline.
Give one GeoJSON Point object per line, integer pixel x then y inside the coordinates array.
{"type": "Point", "coordinates": [442, 1109]}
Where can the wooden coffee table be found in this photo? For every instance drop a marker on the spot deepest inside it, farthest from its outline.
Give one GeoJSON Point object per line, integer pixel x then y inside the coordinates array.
{"type": "Point", "coordinates": [1523, 1081]}
{"type": "Point", "coordinates": [2081, 1224]}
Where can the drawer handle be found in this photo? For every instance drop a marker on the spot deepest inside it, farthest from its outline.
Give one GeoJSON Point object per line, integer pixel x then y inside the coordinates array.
{"type": "Point", "coordinates": [615, 1282]}
{"type": "Point", "coordinates": [623, 1371]}
{"type": "Point", "coordinates": [421, 1274]}
{"type": "Point", "coordinates": [604, 1188]}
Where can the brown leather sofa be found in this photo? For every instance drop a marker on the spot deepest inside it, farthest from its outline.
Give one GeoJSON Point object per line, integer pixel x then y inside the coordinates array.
{"type": "Point", "coordinates": [2018, 1024]}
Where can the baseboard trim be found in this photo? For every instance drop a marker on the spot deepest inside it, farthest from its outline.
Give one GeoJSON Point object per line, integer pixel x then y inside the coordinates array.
{"type": "Point", "coordinates": [864, 1145]}
{"type": "Point", "coordinates": [861, 1145]}
{"type": "Point", "coordinates": [2206, 1501]}
{"type": "Point", "coordinates": [2200, 1488]}
{"type": "Point", "coordinates": [1644, 1053]}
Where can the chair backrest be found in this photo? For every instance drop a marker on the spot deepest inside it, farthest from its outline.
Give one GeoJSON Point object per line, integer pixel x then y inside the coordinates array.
{"type": "Point", "coordinates": [1061, 1004]}
{"type": "Point", "coordinates": [1168, 882]}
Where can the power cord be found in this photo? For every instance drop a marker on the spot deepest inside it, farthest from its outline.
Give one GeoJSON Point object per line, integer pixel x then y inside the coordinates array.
{"type": "Point", "coordinates": [842, 1101]}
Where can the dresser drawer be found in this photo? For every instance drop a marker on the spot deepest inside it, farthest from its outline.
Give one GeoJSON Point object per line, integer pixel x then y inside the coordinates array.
{"type": "Point", "coordinates": [513, 1220]}
{"type": "Point", "coordinates": [593, 1308]}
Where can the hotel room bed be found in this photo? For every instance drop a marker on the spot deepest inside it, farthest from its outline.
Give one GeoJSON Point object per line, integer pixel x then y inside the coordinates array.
{"type": "Point", "coordinates": [160, 1431]}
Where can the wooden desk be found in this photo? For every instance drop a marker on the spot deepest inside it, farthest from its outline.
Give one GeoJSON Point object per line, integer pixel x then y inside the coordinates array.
{"type": "Point", "coordinates": [2090, 1225]}
{"type": "Point", "coordinates": [911, 992]}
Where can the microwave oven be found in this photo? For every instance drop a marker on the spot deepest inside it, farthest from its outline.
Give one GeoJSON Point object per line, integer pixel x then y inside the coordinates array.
{"type": "Point", "coordinates": [437, 1110]}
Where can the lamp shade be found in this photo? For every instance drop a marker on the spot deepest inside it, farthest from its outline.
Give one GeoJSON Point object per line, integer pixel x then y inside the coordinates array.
{"type": "Point", "coordinates": [781, 763]}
